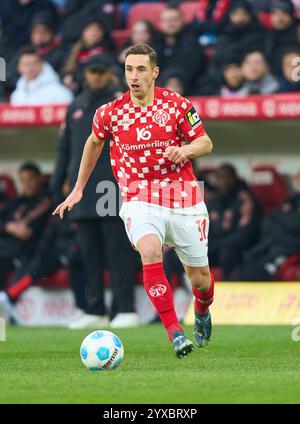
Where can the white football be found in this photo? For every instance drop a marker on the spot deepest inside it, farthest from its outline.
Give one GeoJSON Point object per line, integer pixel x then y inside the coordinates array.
{"type": "Point", "coordinates": [101, 350]}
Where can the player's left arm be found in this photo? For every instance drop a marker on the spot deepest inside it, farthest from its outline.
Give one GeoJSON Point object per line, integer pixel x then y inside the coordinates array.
{"type": "Point", "coordinates": [190, 125]}
{"type": "Point", "coordinates": [199, 147]}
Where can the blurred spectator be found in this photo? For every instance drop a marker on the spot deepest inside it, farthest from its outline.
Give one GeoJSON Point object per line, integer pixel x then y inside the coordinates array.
{"type": "Point", "coordinates": [43, 38]}
{"type": "Point", "coordinates": [15, 21]}
{"type": "Point", "coordinates": [232, 78]}
{"type": "Point", "coordinates": [226, 81]}
{"type": "Point", "coordinates": [257, 76]}
{"type": "Point", "coordinates": [280, 238]}
{"type": "Point", "coordinates": [234, 221]}
{"type": "Point", "coordinates": [242, 33]}
{"type": "Point", "coordinates": [95, 40]}
{"type": "Point", "coordinates": [174, 79]}
{"type": "Point", "coordinates": [22, 220]}
{"type": "Point", "coordinates": [103, 240]}
{"type": "Point", "coordinates": [290, 81]}
{"type": "Point", "coordinates": [142, 32]}
{"type": "Point", "coordinates": [48, 45]}
{"type": "Point", "coordinates": [78, 11]}
{"type": "Point", "coordinates": [177, 45]}
{"type": "Point", "coordinates": [284, 34]}
{"type": "Point", "coordinates": [38, 84]}
{"type": "Point", "coordinates": [57, 248]}
{"type": "Point", "coordinates": [3, 197]}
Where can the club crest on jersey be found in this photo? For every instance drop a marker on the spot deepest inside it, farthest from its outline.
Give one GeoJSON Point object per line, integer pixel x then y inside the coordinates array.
{"type": "Point", "coordinates": [161, 117]}
{"type": "Point", "coordinates": [193, 118]}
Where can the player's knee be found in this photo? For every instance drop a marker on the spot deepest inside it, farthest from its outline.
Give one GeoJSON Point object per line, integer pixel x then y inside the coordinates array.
{"type": "Point", "coordinates": [150, 254]}
{"type": "Point", "coordinates": [200, 280]}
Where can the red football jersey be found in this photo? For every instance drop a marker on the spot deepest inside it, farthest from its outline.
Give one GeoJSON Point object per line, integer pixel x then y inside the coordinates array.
{"type": "Point", "coordinates": [139, 137]}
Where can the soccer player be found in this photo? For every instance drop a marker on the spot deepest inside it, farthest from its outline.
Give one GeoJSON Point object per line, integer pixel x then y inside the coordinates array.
{"type": "Point", "coordinates": [162, 201]}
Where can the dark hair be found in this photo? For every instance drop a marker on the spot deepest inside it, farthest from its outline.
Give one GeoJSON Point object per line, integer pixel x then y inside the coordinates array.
{"type": "Point", "coordinates": [175, 4]}
{"type": "Point", "coordinates": [30, 50]}
{"type": "Point", "coordinates": [229, 168]}
{"type": "Point", "coordinates": [150, 27]}
{"type": "Point", "coordinates": [31, 167]}
{"type": "Point", "coordinates": [291, 49]}
{"type": "Point", "coordinates": [143, 49]}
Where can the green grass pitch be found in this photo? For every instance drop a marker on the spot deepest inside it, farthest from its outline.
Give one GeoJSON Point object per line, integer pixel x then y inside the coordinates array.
{"type": "Point", "coordinates": [241, 365]}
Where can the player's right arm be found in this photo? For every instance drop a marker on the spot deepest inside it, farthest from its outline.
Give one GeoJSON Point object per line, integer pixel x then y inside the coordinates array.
{"type": "Point", "coordinates": [91, 152]}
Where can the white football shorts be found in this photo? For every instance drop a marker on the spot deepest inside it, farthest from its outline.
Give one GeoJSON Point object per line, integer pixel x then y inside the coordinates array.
{"type": "Point", "coordinates": [186, 229]}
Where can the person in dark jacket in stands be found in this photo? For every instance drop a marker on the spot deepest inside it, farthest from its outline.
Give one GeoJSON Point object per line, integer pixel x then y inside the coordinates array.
{"type": "Point", "coordinates": [242, 33]}
{"type": "Point", "coordinates": [227, 81]}
{"type": "Point", "coordinates": [176, 45]}
{"type": "Point", "coordinates": [280, 238]}
{"type": "Point", "coordinates": [15, 18]}
{"type": "Point", "coordinates": [76, 12]}
{"type": "Point", "coordinates": [95, 40]}
{"type": "Point", "coordinates": [234, 221]}
{"type": "Point", "coordinates": [290, 80]}
{"type": "Point", "coordinates": [57, 248]}
{"type": "Point", "coordinates": [102, 240]}
{"type": "Point", "coordinates": [47, 45]}
{"type": "Point", "coordinates": [285, 33]}
{"type": "Point", "coordinates": [257, 76]}
{"type": "Point", "coordinates": [22, 220]}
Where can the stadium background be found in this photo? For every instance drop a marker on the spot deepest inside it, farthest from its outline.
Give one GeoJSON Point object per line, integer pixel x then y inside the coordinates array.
{"type": "Point", "coordinates": [258, 135]}
{"type": "Point", "coordinates": [254, 354]}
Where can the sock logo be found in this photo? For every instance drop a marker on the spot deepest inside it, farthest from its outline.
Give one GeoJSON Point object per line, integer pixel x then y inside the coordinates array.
{"type": "Point", "coordinates": [157, 290]}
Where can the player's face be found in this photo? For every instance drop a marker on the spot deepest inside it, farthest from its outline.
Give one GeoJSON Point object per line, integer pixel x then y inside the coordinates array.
{"type": "Point", "coordinates": [140, 75]}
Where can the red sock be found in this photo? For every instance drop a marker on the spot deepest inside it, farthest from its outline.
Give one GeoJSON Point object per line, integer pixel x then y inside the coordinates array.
{"type": "Point", "coordinates": [204, 300]}
{"type": "Point", "coordinates": [19, 286]}
{"type": "Point", "coordinates": [161, 296]}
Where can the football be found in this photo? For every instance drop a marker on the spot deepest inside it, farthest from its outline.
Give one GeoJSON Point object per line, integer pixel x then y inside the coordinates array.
{"type": "Point", "coordinates": [101, 350]}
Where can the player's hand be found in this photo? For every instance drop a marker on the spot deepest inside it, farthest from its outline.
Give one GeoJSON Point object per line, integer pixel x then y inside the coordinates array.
{"type": "Point", "coordinates": [73, 198]}
{"type": "Point", "coordinates": [176, 154]}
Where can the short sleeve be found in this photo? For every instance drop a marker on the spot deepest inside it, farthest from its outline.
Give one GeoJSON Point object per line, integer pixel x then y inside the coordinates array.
{"type": "Point", "coordinates": [101, 122]}
{"type": "Point", "coordinates": [189, 121]}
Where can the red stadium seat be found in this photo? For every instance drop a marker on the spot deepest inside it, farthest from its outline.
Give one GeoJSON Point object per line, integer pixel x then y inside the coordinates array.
{"type": "Point", "coordinates": [151, 12]}
{"type": "Point", "coordinates": [289, 270]}
{"type": "Point", "coordinates": [269, 187]}
{"type": "Point", "coordinates": [59, 279]}
{"type": "Point", "coordinates": [120, 36]}
{"type": "Point", "coordinates": [189, 10]}
{"type": "Point", "coordinates": [8, 186]}
{"type": "Point", "coordinates": [265, 19]}
{"type": "Point", "coordinates": [217, 272]}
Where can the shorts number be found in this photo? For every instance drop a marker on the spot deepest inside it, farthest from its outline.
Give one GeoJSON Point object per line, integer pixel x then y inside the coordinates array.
{"type": "Point", "coordinates": [202, 228]}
